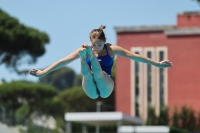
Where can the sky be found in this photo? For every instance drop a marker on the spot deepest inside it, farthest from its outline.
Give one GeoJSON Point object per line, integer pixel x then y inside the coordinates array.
{"type": "Point", "coordinates": [68, 23]}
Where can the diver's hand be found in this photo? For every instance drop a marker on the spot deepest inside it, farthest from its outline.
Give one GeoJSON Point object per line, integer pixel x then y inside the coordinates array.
{"type": "Point", "coordinates": [36, 73]}
{"type": "Point", "coordinates": [165, 64]}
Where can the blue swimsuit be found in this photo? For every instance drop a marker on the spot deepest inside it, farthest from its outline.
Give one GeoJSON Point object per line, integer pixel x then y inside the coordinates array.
{"type": "Point", "coordinates": [105, 61]}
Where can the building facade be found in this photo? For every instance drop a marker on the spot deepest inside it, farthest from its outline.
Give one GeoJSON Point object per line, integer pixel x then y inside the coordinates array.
{"type": "Point", "coordinates": [139, 85]}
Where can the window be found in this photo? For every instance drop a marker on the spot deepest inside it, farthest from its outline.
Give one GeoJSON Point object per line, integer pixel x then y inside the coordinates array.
{"type": "Point", "coordinates": [161, 80]}
{"type": "Point", "coordinates": [136, 85]}
{"type": "Point", "coordinates": [137, 88]}
{"type": "Point", "coordinates": [149, 81]}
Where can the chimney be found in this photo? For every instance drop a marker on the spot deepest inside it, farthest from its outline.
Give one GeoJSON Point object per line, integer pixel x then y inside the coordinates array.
{"type": "Point", "coordinates": [188, 19]}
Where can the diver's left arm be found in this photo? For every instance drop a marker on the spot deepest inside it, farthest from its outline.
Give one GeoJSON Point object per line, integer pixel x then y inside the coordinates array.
{"type": "Point", "coordinates": [139, 58]}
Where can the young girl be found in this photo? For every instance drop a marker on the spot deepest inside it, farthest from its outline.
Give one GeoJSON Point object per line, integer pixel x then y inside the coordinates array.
{"type": "Point", "coordinates": [96, 64]}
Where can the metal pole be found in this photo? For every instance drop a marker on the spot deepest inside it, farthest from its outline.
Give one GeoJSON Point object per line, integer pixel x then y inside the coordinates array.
{"type": "Point", "coordinates": [97, 129]}
{"type": "Point", "coordinates": [98, 110]}
{"type": "Point", "coordinates": [3, 113]}
{"type": "Point", "coordinates": [68, 127]}
{"type": "Point", "coordinates": [84, 129]}
{"type": "Point", "coordinates": [119, 123]}
{"type": "Point", "coordinates": [98, 106]}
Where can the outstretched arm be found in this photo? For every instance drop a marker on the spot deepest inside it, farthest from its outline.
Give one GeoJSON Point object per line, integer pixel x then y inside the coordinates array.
{"type": "Point", "coordinates": [139, 58]}
{"type": "Point", "coordinates": [60, 63]}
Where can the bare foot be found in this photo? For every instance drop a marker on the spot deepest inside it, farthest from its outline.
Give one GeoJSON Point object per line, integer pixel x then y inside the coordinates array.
{"type": "Point", "coordinates": [83, 54]}
{"type": "Point", "coordinates": [89, 52]}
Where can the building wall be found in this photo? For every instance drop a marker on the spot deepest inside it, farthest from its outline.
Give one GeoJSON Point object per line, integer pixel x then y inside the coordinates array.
{"type": "Point", "coordinates": [184, 77]}
{"type": "Point", "coordinates": [188, 20]}
{"type": "Point", "coordinates": [183, 81]}
{"type": "Point", "coordinates": [123, 65]}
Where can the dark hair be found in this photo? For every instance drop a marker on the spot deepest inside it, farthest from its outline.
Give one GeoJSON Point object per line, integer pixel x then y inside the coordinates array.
{"type": "Point", "coordinates": [98, 34]}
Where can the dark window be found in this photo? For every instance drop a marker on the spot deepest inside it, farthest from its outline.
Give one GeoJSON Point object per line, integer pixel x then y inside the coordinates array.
{"type": "Point", "coordinates": [161, 80]}
{"type": "Point", "coordinates": [149, 81]}
{"type": "Point", "coordinates": [137, 92]}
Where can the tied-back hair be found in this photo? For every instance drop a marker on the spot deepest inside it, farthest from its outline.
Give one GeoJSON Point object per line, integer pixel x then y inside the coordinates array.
{"type": "Point", "coordinates": [96, 34]}
{"type": "Point", "coordinates": [102, 27]}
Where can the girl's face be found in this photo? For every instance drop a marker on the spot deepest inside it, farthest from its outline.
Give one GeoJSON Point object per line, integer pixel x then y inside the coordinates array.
{"type": "Point", "coordinates": [98, 45]}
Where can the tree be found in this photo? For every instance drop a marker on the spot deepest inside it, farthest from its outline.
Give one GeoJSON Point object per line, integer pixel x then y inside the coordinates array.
{"type": "Point", "coordinates": [17, 42]}
{"type": "Point", "coordinates": [152, 118]}
{"type": "Point", "coordinates": [25, 100]}
{"type": "Point", "coordinates": [76, 100]}
{"type": "Point", "coordinates": [198, 122]}
{"type": "Point", "coordinates": [177, 130]}
{"type": "Point", "coordinates": [198, 1]}
{"type": "Point", "coordinates": [175, 118]}
{"type": "Point", "coordinates": [27, 97]}
{"type": "Point", "coordinates": [163, 118]}
{"type": "Point", "coordinates": [187, 118]}
{"type": "Point", "coordinates": [62, 78]}
{"type": "Point", "coordinates": [78, 80]}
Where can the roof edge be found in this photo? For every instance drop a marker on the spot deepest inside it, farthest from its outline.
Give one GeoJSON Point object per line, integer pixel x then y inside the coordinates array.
{"type": "Point", "coordinates": [127, 29]}
{"type": "Point", "coordinates": [169, 30]}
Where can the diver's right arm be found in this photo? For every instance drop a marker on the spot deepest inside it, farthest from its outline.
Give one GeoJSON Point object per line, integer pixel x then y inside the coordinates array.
{"type": "Point", "coordinates": [60, 63]}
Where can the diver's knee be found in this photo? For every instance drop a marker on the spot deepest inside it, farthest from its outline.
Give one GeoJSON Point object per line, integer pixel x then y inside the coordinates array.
{"type": "Point", "coordinates": [93, 96]}
{"type": "Point", "coordinates": [104, 95]}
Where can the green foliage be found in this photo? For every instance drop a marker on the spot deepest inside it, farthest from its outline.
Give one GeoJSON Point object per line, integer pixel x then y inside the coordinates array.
{"type": "Point", "coordinates": [23, 72]}
{"type": "Point", "coordinates": [163, 118]}
{"type": "Point", "coordinates": [26, 98]}
{"type": "Point", "coordinates": [21, 114]}
{"type": "Point", "coordinates": [187, 118]}
{"type": "Point", "coordinates": [35, 129]}
{"type": "Point", "coordinates": [175, 118]}
{"type": "Point", "coordinates": [37, 97]}
{"type": "Point", "coordinates": [152, 118]}
{"type": "Point", "coordinates": [62, 78]}
{"type": "Point", "coordinates": [76, 100]}
{"type": "Point", "coordinates": [111, 129]}
{"type": "Point", "coordinates": [55, 107]}
{"type": "Point", "coordinates": [198, 122]}
{"type": "Point", "coordinates": [77, 128]}
{"type": "Point", "coordinates": [19, 41]}
{"type": "Point", "coordinates": [177, 130]}
{"type": "Point", "coordinates": [78, 80]}
{"type": "Point", "coordinates": [198, 1]}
